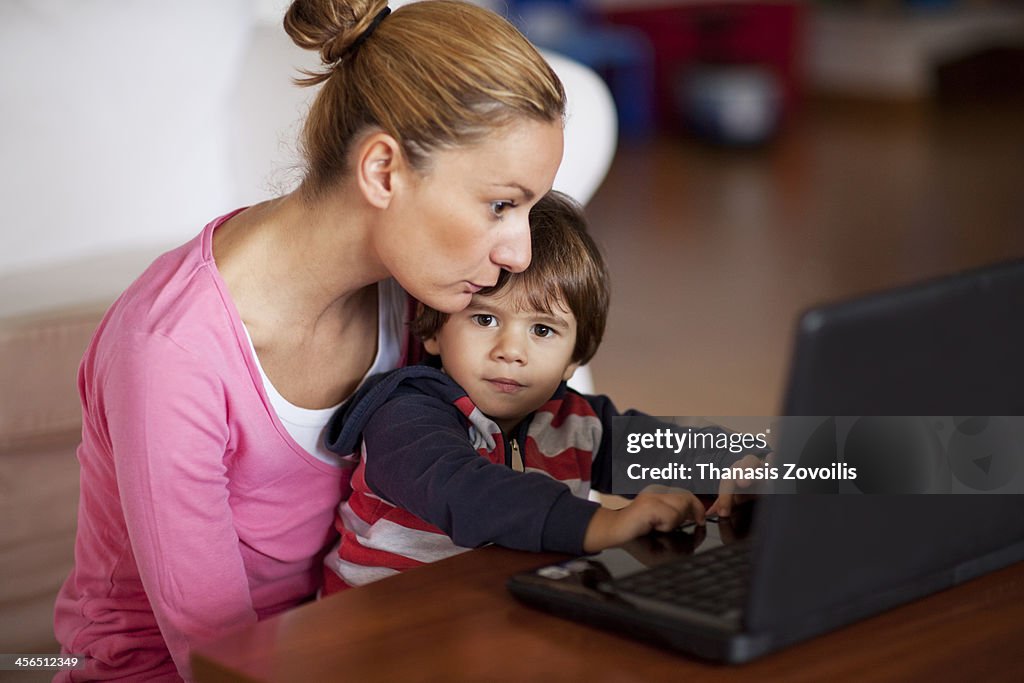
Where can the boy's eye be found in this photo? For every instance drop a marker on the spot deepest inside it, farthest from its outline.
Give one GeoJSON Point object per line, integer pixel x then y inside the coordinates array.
{"type": "Point", "coordinates": [498, 208]}
{"type": "Point", "coordinates": [543, 331]}
{"type": "Point", "coordinates": [484, 320]}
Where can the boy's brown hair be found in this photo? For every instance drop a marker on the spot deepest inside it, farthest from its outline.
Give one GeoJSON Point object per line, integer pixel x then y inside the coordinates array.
{"type": "Point", "coordinates": [566, 267]}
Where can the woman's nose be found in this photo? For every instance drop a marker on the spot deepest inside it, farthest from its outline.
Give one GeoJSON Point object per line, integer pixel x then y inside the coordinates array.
{"type": "Point", "coordinates": [513, 252]}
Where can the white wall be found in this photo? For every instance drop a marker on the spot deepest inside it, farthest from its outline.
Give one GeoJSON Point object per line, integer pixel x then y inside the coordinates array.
{"type": "Point", "coordinates": [112, 127]}
{"type": "Point", "coordinates": [126, 126]}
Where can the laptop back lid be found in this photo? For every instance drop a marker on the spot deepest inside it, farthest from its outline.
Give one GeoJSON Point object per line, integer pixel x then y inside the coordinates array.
{"type": "Point", "coordinates": [950, 345]}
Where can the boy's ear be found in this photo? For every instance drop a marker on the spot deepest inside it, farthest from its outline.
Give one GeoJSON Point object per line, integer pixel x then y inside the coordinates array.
{"type": "Point", "coordinates": [569, 371]}
{"type": "Point", "coordinates": [379, 158]}
{"type": "Point", "coordinates": [431, 346]}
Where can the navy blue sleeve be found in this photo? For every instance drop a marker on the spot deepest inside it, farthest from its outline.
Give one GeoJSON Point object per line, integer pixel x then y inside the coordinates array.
{"type": "Point", "coordinates": [601, 474]}
{"type": "Point", "coordinates": [419, 458]}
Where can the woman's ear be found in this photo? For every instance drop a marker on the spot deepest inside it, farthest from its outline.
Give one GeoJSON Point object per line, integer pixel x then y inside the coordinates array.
{"type": "Point", "coordinates": [378, 161]}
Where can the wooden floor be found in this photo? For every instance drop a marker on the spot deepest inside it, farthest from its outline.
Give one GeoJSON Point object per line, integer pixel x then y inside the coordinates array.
{"type": "Point", "coordinates": [713, 252]}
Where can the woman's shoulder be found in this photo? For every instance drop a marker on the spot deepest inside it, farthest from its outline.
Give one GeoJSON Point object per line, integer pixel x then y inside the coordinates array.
{"type": "Point", "coordinates": [179, 297]}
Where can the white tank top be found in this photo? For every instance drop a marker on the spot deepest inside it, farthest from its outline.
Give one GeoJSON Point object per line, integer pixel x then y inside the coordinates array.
{"type": "Point", "coordinates": [305, 425]}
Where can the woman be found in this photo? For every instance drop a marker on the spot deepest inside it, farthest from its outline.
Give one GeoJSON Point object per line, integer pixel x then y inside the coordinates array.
{"type": "Point", "coordinates": [207, 499]}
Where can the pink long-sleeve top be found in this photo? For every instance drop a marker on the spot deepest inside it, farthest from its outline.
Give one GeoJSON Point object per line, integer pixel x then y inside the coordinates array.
{"type": "Point", "coordinates": [198, 512]}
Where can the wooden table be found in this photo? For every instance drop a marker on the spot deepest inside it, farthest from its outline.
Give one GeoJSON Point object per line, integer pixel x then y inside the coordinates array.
{"type": "Point", "coordinates": [454, 621]}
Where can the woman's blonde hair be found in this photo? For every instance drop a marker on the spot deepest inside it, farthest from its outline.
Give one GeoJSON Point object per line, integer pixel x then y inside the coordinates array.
{"type": "Point", "coordinates": [434, 74]}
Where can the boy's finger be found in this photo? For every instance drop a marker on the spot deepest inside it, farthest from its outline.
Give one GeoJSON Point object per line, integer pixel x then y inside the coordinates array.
{"type": "Point", "coordinates": [724, 501]}
{"type": "Point", "coordinates": [722, 505]}
{"type": "Point", "coordinates": [684, 503]}
{"type": "Point", "coordinates": [688, 506]}
{"type": "Point", "coordinates": [672, 511]}
{"type": "Point", "coordinates": [664, 517]}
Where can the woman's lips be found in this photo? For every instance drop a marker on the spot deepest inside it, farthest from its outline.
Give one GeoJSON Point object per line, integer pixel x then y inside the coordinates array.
{"type": "Point", "coordinates": [474, 287]}
{"type": "Point", "coordinates": [505, 385]}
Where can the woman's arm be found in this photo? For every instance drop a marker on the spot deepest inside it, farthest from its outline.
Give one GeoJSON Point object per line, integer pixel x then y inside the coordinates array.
{"type": "Point", "coordinates": [166, 413]}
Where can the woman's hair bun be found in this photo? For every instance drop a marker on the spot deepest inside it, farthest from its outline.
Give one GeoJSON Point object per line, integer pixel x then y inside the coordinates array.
{"type": "Point", "coordinates": [433, 75]}
{"type": "Point", "coordinates": [329, 26]}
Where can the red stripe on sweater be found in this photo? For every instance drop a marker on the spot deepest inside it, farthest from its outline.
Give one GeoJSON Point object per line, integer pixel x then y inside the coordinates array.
{"type": "Point", "coordinates": [333, 583]}
{"type": "Point", "coordinates": [464, 405]}
{"type": "Point", "coordinates": [563, 408]}
{"type": "Point", "coordinates": [367, 508]}
{"type": "Point", "coordinates": [371, 509]}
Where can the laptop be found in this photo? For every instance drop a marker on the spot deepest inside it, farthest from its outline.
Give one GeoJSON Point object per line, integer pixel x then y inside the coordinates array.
{"type": "Point", "coordinates": [793, 566]}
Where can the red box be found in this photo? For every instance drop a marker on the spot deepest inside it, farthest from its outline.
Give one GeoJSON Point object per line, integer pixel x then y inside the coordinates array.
{"type": "Point", "coordinates": [743, 33]}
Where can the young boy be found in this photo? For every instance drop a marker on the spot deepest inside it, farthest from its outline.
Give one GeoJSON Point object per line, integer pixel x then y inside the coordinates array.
{"type": "Point", "coordinates": [493, 447]}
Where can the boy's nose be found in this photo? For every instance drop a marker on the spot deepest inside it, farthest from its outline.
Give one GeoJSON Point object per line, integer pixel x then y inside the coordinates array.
{"type": "Point", "coordinates": [510, 348]}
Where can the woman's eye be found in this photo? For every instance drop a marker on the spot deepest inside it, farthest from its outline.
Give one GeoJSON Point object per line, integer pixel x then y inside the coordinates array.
{"type": "Point", "coordinates": [498, 208]}
{"type": "Point", "coordinates": [484, 320]}
{"type": "Point", "coordinates": [543, 331]}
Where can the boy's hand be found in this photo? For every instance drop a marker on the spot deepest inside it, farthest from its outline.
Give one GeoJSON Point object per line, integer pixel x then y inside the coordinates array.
{"type": "Point", "coordinates": [733, 491]}
{"type": "Point", "coordinates": [655, 508]}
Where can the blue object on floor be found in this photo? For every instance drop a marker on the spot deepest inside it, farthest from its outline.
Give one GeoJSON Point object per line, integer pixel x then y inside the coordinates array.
{"type": "Point", "coordinates": [622, 55]}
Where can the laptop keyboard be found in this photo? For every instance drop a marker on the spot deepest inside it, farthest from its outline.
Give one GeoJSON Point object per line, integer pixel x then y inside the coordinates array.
{"type": "Point", "coordinates": [713, 583]}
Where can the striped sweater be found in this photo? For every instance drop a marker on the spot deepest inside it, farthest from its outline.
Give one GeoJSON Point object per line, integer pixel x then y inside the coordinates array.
{"type": "Point", "coordinates": [437, 477]}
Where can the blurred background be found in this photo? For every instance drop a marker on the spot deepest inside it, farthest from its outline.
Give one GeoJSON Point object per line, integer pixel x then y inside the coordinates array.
{"type": "Point", "coordinates": [774, 155]}
{"type": "Point", "coordinates": [768, 156]}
